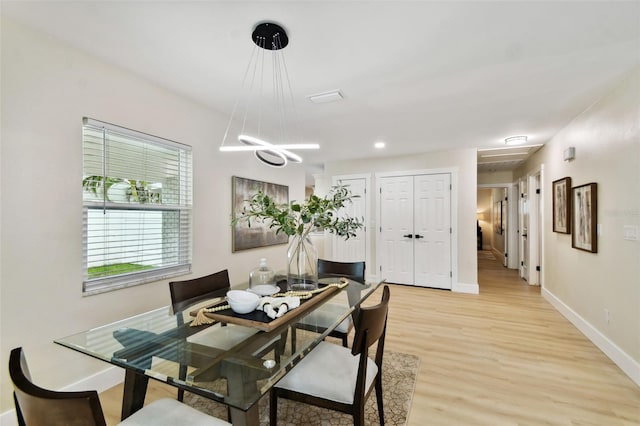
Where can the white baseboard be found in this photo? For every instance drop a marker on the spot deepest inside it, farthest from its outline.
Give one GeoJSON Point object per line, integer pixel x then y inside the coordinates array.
{"type": "Point", "coordinates": [466, 288]}
{"type": "Point", "coordinates": [101, 381]}
{"type": "Point", "coordinates": [626, 363]}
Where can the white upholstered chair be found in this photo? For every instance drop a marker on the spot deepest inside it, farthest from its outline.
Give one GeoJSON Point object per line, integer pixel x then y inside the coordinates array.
{"type": "Point", "coordinates": [334, 377]}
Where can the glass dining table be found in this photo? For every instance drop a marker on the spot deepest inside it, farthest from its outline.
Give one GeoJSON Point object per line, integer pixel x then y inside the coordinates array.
{"type": "Point", "coordinates": [163, 346]}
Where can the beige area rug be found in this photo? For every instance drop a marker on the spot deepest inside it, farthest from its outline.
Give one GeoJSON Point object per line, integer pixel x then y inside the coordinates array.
{"type": "Point", "coordinates": [399, 373]}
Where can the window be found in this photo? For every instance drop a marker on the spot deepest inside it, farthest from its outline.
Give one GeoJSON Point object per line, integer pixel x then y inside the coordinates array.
{"type": "Point", "coordinates": [136, 207]}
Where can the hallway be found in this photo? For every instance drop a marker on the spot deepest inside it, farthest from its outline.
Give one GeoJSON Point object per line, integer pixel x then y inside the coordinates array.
{"type": "Point", "coordinates": [504, 357]}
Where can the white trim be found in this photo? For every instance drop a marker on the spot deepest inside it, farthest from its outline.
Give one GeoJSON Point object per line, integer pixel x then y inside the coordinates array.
{"type": "Point", "coordinates": [454, 229]}
{"type": "Point", "coordinates": [453, 172]}
{"type": "Point", "coordinates": [100, 382]}
{"type": "Point", "coordinates": [105, 379]}
{"type": "Point", "coordinates": [97, 124]}
{"type": "Point", "coordinates": [522, 188]}
{"type": "Point", "coordinates": [513, 247]}
{"type": "Point", "coordinates": [541, 225]}
{"type": "Point", "coordinates": [623, 360]}
{"type": "Point", "coordinates": [533, 231]}
{"type": "Point", "coordinates": [417, 172]}
{"type": "Point", "coordinates": [8, 418]}
{"type": "Point", "coordinates": [466, 288]}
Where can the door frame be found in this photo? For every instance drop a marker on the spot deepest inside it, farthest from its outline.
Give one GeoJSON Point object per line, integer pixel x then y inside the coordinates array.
{"type": "Point", "coordinates": [536, 224]}
{"type": "Point", "coordinates": [453, 171]}
{"type": "Point", "coordinates": [513, 225]}
{"type": "Point", "coordinates": [523, 188]}
{"type": "Point", "coordinates": [368, 225]}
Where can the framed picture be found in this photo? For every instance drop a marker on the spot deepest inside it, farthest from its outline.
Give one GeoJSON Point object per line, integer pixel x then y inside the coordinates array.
{"type": "Point", "coordinates": [259, 234]}
{"type": "Point", "coordinates": [584, 205]}
{"type": "Point", "coordinates": [561, 190]}
{"type": "Point", "coordinates": [497, 217]}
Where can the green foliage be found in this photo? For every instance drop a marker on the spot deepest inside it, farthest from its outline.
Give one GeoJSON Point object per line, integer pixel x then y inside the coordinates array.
{"type": "Point", "coordinates": [138, 190]}
{"type": "Point", "coordinates": [301, 218]}
{"type": "Point", "coordinates": [115, 269]}
{"type": "Point", "coordinates": [95, 183]}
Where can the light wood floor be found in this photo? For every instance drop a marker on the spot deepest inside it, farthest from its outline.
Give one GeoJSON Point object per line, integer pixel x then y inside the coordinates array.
{"type": "Point", "coordinates": [503, 357]}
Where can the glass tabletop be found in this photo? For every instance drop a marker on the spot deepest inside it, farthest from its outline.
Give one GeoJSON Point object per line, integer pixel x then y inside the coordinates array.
{"type": "Point", "coordinates": [231, 363]}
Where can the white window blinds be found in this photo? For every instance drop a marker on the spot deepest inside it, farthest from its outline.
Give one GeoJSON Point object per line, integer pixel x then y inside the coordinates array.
{"type": "Point", "coordinates": [137, 207]}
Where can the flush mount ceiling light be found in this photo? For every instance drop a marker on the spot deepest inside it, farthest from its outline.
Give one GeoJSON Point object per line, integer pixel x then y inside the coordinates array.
{"type": "Point", "coordinates": [260, 116]}
{"type": "Point", "coordinates": [323, 98]}
{"type": "Point", "coordinates": [515, 140]}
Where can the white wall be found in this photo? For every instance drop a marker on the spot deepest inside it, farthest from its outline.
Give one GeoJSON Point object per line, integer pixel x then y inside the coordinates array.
{"type": "Point", "coordinates": [581, 284]}
{"type": "Point", "coordinates": [464, 161]}
{"type": "Point", "coordinates": [46, 89]}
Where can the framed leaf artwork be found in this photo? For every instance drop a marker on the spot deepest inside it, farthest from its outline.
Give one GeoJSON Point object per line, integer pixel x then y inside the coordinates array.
{"type": "Point", "coordinates": [561, 190]}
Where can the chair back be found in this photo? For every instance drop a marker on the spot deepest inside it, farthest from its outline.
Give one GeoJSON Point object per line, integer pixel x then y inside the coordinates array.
{"type": "Point", "coordinates": [38, 406]}
{"type": "Point", "coordinates": [189, 292]}
{"type": "Point", "coordinates": [371, 325]}
{"type": "Point", "coordinates": [351, 270]}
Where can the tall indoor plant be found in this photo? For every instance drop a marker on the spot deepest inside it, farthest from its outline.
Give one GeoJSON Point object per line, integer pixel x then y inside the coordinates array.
{"type": "Point", "coordinates": [298, 220]}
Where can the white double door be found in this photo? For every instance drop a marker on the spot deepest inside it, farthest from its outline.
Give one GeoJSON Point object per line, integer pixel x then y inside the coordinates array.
{"type": "Point", "coordinates": [415, 230]}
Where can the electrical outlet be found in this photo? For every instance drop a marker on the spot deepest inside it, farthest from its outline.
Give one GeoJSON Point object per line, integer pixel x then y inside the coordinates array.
{"type": "Point", "coordinates": [630, 232]}
{"type": "Point", "coordinates": [606, 315]}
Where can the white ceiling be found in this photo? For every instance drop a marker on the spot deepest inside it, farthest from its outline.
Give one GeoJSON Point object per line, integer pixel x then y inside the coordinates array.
{"type": "Point", "coordinates": [420, 75]}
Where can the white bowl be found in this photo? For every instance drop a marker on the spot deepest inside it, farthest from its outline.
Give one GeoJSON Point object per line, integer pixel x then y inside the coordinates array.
{"type": "Point", "coordinates": [242, 302]}
{"type": "Point", "coordinates": [265, 289]}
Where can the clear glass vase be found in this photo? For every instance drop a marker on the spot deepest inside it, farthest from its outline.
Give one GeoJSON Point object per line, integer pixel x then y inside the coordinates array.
{"type": "Point", "coordinates": [302, 265]}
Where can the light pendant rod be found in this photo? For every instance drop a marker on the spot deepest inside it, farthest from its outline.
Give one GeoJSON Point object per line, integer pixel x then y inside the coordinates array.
{"type": "Point", "coordinates": [268, 148]}
{"type": "Point", "coordinates": [238, 148]}
{"type": "Point", "coordinates": [269, 39]}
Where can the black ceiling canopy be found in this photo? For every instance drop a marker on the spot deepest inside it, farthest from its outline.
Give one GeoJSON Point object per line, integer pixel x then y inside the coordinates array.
{"type": "Point", "coordinates": [270, 36]}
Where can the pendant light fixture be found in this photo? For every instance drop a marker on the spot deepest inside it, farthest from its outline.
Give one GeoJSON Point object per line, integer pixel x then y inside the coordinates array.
{"type": "Point", "coordinates": [262, 113]}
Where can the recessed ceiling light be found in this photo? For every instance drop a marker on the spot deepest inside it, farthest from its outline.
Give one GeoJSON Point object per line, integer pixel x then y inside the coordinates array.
{"type": "Point", "coordinates": [323, 98]}
{"type": "Point", "coordinates": [515, 140]}
{"type": "Point", "coordinates": [379, 145]}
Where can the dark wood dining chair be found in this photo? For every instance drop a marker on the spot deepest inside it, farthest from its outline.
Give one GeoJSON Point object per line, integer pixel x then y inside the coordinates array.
{"type": "Point", "coordinates": [38, 406]}
{"type": "Point", "coordinates": [352, 270]}
{"type": "Point", "coordinates": [187, 293]}
{"type": "Point", "coordinates": [334, 377]}
{"type": "Point", "coordinates": [317, 320]}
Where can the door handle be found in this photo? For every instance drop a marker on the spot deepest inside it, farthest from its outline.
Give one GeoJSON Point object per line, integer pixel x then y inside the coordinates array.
{"type": "Point", "coordinates": [419, 236]}
{"type": "Point", "coordinates": [408, 236]}
{"type": "Point", "coordinates": [524, 235]}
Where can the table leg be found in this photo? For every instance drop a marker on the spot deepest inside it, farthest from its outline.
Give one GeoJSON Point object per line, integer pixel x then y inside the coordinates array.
{"type": "Point", "coordinates": [135, 390]}
{"type": "Point", "coordinates": [245, 418]}
{"type": "Point", "coordinates": [242, 375]}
